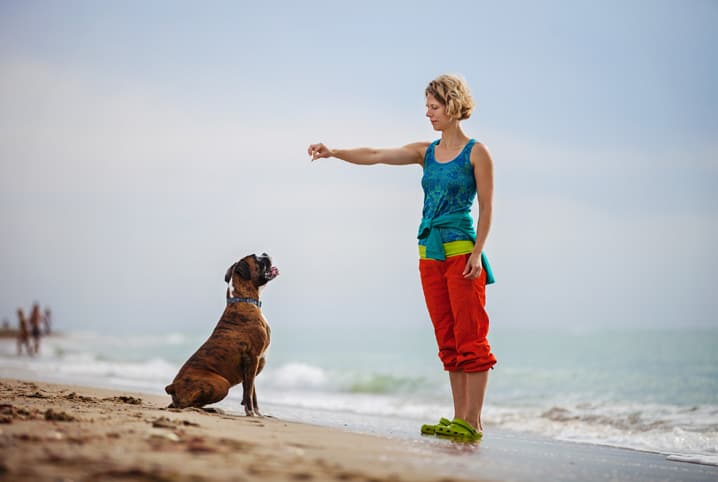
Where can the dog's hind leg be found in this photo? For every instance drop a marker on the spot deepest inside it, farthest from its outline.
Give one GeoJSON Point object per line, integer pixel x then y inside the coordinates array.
{"type": "Point", "coordinates": [249, 372]}
{"type": "Point", "coordinates": [214, 389]}
{"type": "Point", "coordinates": [192, 392]}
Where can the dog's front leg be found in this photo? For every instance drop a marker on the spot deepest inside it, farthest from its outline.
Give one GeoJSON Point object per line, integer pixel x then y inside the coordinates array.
{"type": "Point", "coordinates": [254, 402]}
{"type": "Point", "coordinates": [261, 364]}
{"type": "Point", "coordinates": [249, 372]}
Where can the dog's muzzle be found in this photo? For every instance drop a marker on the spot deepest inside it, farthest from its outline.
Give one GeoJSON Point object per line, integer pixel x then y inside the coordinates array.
{"type": "Point", "coordinates": [269, 272]}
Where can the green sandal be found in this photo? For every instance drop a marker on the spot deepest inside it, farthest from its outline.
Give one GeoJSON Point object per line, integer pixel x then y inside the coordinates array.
{"type": "Point", "coordinates": [459, 430]}
{"type": "Point", "coordinates": [427, 429]}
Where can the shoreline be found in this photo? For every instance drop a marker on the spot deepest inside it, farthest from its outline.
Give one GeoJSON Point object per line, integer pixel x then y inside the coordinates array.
{"type": "Point", "coordinates": [83, 433]}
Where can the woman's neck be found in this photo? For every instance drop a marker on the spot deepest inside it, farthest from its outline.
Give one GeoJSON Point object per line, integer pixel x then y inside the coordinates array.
{"type": "Point", "coordinates": [453, 137]}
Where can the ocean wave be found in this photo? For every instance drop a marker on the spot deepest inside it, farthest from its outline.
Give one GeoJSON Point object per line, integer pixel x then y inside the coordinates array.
{"type": "Point", "coordinates": [295, 374]}
{"type": "Point", "coordinates": [380, 383]}
{"type": "Point", "coordinates": [85, 358]}
{"type": "Point", "coordinates": [695, 459]}
{"type": "Point", "coordinates": [637, 417]}
{"type": "Point", "coordinates": [83, 339]}
{"type": "Point", "coordinates": [307, 376]}
{"type": "Point", "coordinates": [670, 430]}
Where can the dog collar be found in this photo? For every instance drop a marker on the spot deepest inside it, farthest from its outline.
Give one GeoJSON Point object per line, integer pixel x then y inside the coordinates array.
{"type": "Point", "coordinates": [244, 300]}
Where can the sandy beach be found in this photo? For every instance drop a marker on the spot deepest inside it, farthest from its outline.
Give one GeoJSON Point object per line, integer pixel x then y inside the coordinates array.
{"type": "Point", "coordinates": [63, 432]}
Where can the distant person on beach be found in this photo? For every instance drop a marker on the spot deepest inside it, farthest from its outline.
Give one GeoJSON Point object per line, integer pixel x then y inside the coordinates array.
{"type": "Point", "coordinates": [47, 321]}
{"type": "Point", "coordinates": [454, 271]}
{"type": "Point", "coordinates": [23, 335]}
{"type": "Point", "coordinates": [35, 320]}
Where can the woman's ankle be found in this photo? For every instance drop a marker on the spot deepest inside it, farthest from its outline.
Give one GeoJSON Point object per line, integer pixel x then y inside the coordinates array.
{"type": "Point", "coordinates": [476, 423]}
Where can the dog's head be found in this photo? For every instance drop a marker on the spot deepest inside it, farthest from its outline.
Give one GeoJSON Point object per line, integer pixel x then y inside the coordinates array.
{"type": "Point", "coordinates": [257, 270]}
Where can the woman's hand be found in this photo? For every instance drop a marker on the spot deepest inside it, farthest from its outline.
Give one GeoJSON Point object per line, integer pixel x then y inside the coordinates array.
{"type": "Point", "coordinates": [318, 151]}
{"type": "Point", "coordinates": [473, 266]}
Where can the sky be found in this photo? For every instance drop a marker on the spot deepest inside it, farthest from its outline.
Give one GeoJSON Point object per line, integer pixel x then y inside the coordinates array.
{"type": "Point", "coordinates": [146, 146]}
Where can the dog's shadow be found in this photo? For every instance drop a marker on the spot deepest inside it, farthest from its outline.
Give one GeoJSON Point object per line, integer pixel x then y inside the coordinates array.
{"type": "Point", "coordinates": [206, 410]}
{"type": "Point", "coordinates": [218, 411]}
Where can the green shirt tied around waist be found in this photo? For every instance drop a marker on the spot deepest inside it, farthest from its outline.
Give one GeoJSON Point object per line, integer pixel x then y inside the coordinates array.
{"type": "Point", "coordinates": [429, 230]}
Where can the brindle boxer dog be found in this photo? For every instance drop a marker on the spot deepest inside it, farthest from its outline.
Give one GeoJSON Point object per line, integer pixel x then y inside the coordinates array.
{"type": "Point", "coordinates": [234, 353]}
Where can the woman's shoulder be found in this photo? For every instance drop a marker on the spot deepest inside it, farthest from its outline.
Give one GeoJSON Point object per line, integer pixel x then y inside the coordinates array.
{"type": "Point", "coordinates": [479, 152]}
{"type": "Point", "coordinates": [421, 145]}
{"type": "Point", "coordinates": [419, 148]}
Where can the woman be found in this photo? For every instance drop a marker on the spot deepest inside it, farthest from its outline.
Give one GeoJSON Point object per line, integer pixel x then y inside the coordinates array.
{"type": "Point", "coordinates": [454, 271]}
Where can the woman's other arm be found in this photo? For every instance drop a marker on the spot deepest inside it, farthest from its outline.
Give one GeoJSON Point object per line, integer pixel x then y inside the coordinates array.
{"type": "Point", "coordinates": [484, 175]}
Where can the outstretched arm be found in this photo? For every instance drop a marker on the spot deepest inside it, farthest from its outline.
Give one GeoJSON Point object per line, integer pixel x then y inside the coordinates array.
{"type": "Point", "coordinates": [408, 154]}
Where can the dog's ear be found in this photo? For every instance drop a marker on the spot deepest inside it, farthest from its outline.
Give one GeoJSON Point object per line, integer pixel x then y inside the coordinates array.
{"type": "Point", "coordinates": [228, 274]}
{"type": "Point", "coordinates": [242, 269]}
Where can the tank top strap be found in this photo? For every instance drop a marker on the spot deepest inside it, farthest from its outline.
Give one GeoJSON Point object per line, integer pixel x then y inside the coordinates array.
{"type": "Point", "coordinates": [469, 145]}
{"type": "Point", "coordinates": [429, 154]}
{"type": "Point", "coordinates": [466, 152]}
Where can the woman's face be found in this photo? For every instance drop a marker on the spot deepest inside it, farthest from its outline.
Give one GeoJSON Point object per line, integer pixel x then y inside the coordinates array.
{"type": "Point", "coordinates": [436, 112]}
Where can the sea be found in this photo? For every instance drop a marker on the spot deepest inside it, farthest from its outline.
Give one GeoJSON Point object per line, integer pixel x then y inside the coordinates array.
{"type": "Point", "coordinates": [647, 390]}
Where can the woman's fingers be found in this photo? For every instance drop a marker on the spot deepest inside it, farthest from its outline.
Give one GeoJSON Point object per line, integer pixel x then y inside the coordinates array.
{"type": "Point", "coordinates": [472, 271]}
{"type": "Point", "coordinates": [315, 150]}
{"type": "Point", "coordinates": [476, 272]}
{"type": "Point", "coordinates": [312, 149]}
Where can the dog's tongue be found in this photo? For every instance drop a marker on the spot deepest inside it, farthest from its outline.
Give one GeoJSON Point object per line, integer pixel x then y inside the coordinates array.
{"type": "Point", "coordinates": [274, 272]}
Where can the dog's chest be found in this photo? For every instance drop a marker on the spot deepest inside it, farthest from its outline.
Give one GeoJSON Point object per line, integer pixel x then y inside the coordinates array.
{"type": "Point", "coordinates": [247, 326]}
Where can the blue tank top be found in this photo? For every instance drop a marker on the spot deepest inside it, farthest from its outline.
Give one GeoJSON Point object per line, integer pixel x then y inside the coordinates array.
{"type": "Point", "coordinates": [449, 188]}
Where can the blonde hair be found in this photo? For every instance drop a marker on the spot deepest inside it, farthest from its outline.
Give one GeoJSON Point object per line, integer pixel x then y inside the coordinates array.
{"type": "Point", "coordinates": [452, 92]}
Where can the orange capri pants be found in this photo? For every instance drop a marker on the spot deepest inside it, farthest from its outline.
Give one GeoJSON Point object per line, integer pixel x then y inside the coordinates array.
{"type": "Point", "coordinates": [456, 307]}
